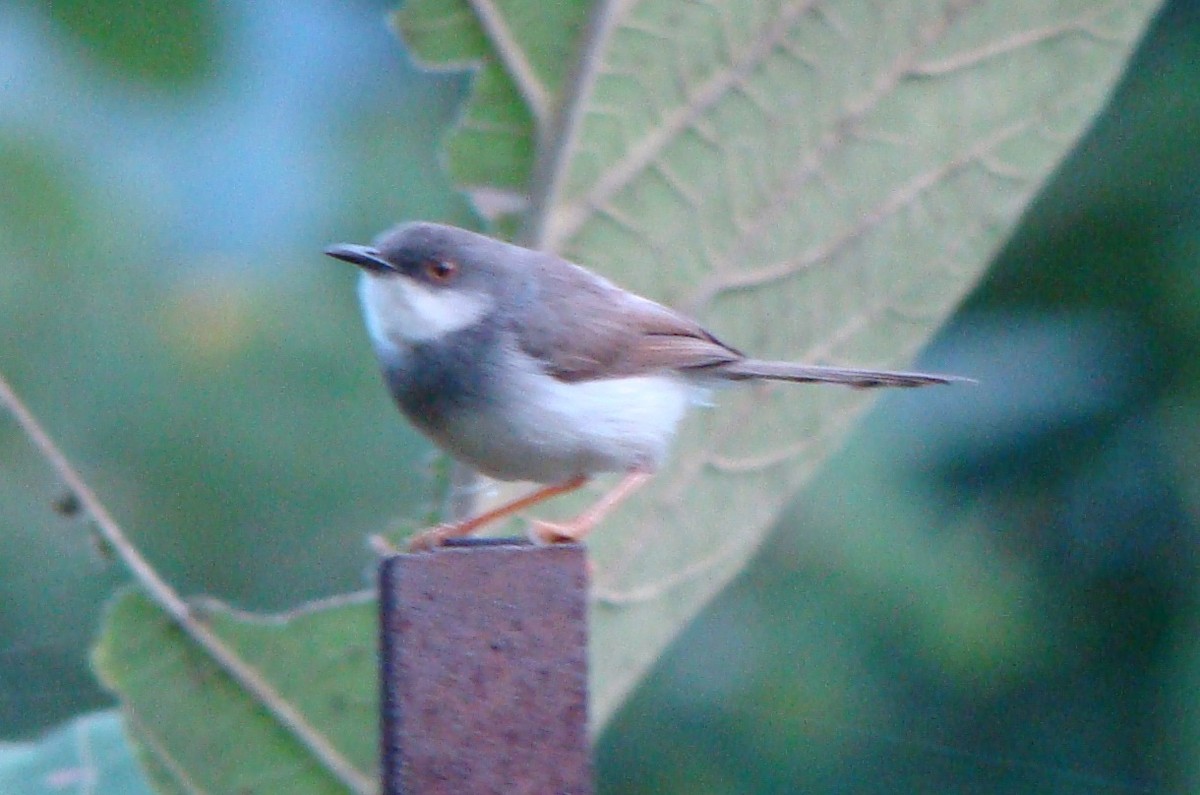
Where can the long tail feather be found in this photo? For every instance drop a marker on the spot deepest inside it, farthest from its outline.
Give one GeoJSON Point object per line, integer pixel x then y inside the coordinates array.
{"type": "Point", "coordinates": [807, 373]}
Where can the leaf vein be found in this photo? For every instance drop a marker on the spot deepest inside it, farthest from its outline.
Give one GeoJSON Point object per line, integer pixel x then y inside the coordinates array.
{"type": "Point", "coordinates": [1011, 44]}
{"type": "Point", "coordinates": [571, 216]}
{"type": "Point", "coordinates": [161, 754]}
{"type": "Point", "coordinates": [727, 278]}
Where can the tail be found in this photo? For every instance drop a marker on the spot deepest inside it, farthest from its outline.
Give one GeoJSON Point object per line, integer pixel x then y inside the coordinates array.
{"type": "Point", "coordinates": [745, 369]}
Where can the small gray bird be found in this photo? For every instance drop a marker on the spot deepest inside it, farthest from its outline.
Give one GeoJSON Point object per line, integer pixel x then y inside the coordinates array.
{"type": "Point", "coordinates": [527, 367]}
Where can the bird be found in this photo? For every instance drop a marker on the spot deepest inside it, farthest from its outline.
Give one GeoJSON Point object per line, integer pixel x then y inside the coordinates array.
{"type": "Point", "coordinates": [525, 366]}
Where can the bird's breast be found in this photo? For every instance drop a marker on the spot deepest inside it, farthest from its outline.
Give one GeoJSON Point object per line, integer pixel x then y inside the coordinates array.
{"type": "Point", "coordinates": [511, 420]}
{"type": "Point", "coordinates": [543, 429]}
{"type": "Point", "coordinates": [434, 382]}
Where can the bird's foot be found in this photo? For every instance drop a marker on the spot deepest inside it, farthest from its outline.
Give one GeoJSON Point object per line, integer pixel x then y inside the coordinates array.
{"type": "Point", "coordinates": [542, 532]}
{"type": "Point", "coordinates": [381, 546]}
{"type": "Point", "coordinates": [434, 537]}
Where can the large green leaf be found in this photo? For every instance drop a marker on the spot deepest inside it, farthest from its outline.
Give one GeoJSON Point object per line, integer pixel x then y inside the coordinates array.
{"type": "Point", "coordinates": [197, 730]}
{"type": "Point", "coordinates": [817, 181]}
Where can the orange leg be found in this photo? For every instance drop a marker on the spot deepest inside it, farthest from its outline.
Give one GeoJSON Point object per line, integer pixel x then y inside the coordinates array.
{"type": "Point", "coordinates": [437, 536]}
{"type": "Point", "coordinates": [581, 525]}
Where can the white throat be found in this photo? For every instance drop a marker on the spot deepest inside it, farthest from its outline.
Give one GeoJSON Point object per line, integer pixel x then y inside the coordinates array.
{"type": "Point", "coordinates": [400, 312]}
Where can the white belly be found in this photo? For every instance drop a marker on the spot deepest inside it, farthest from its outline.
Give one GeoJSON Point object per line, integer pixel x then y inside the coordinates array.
{"type": "Point", "coordinates": [549, 430]}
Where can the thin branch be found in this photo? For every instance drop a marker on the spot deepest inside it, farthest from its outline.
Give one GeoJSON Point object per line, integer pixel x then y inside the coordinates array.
{"type": "Point", "coordinates": [169, 600]}
{"type": "Point", "coordinates": [555, 151]}
{"type": "Point", "coordinates": [530, 86]}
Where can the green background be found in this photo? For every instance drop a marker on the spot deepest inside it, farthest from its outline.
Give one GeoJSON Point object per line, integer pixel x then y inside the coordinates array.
{"type": "Point", "coordinates": [991, 590]}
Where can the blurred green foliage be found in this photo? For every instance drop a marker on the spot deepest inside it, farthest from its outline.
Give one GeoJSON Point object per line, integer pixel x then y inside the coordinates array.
{"type": "Point", "coordinates": [171, 43]}
{"type": "Point", "coordinates": [219, 396]}
{"type": "Point", "coordinates": [90, 753]}
{"type": "Point", "coordinates": [993, 591]}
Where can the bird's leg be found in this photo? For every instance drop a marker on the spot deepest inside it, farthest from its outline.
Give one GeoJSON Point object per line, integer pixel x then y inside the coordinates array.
{"type": "Point", "coordinates": [581, 525]}
{"type": "Point", "coordinates": [437, 536]}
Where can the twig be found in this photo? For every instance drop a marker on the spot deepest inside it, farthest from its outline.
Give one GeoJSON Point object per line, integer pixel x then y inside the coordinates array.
{"type": "Point", "coordinates": [555, 150]}
{"type": "Point", "coordinates": [174, 605]}
{"type": "Point", "coordinates": [524, 76]}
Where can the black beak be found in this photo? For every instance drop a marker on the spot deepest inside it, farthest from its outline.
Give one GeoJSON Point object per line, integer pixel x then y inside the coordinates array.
{"type": "Point", "coordinates": [364, 257]}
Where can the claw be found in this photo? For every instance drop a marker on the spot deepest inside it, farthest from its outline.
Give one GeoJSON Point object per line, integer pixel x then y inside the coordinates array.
{"type": "Point", "coordinates": [381, 546]}
{"type": "Point", "coordinates": [428, 540]}
{"type": "Point", "coordinates": [541, 532]}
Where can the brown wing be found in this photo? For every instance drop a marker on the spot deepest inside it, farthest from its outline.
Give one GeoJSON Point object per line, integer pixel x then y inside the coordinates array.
{"type": "Point", "coordinates": [602, 331]}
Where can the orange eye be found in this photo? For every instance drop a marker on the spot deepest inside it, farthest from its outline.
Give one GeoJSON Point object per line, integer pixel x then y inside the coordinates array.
{"type": "Point", "coordinates": [440, 271]}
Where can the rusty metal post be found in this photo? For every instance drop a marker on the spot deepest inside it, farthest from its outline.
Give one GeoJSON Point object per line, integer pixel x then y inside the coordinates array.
{"type": "Point", "coordinates": [484, 666]}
